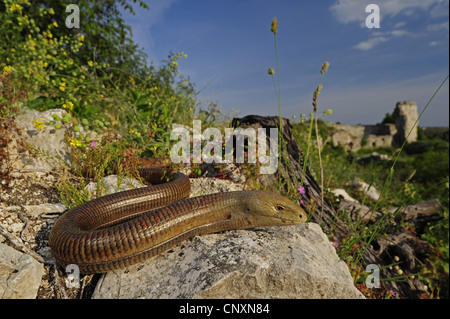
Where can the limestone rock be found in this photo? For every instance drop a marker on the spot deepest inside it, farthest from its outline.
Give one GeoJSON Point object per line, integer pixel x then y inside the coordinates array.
{"type": "Point", "coordinates": [20, 274]}
{"type": "Point", "coordinates": [369, 191]}
{"type": "Point", "coordinates": [342, 192]}
{"type": "Point", "coordinates": [275, 262]}
{"type": "Point", "coordinates": [47, 139]}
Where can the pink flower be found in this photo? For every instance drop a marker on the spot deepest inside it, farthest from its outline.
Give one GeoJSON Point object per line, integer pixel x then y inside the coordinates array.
{"type": "Point", "coordinates": [335, 244]}
{"type": "Point", "coordinates": [93, 144]}
{"type": "Point", "coordinates": [301, 201]}
{"type": "Point", "coordinates": [301, 189]}
{"type": "Point", "coordinates": [392, 292]}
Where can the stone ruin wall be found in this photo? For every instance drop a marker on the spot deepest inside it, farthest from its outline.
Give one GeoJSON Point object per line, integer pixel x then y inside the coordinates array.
{"type": "Point", "coordinates": [353, 137]}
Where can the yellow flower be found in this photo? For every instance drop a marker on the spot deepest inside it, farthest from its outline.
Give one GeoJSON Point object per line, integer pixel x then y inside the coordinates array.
{"type": "Point", "coordinates": [39, 124]}
{"type": "Point", "coordinates": [15, 7]}
{"type": "Point", "coordinates": [75, 142]}
{"type": "Point", "coordinates": [174, 63]}
{"type": "Point", "coordinates": [55, 24]}
{"type": "Point", "coordinates": [90, 63]}
{"type": "Point", "coordinates": [51, 11]}
{"type": "Point", "coordinates": [7, 69]}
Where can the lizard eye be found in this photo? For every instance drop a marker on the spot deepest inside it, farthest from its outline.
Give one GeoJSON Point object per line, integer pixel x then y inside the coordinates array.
{"type": "Point", "coordinates": [279, 208]}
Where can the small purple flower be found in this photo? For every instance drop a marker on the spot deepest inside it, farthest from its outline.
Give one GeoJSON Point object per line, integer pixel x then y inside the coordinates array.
{"type": "Point", "coordinates": [301, 189]}
{"type": "Point", "coordinates": [335, 244]}
{"type": "Point", "coordinates": [301, 201]}
{"type": "Point", "coordinates": [392, 292]}
{"type": "Point", "coordinates": [93, 144]}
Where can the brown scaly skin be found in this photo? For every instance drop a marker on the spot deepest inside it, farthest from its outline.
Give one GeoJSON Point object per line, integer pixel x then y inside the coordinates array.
{"type": "Point", "coordinates": [117, 230]}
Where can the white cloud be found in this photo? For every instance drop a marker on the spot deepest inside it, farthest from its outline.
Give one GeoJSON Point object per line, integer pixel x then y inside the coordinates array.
{"type": "Point", "coordinates": [438, 26]}
{"type": "Point", "coordinates": [369, 44]}
{"type": "Point", "coordinates": [353, 11]}
{"type": "Point", "coordinates": [379, 37]}
{"type": "Point", "coordinates": [348, 11]}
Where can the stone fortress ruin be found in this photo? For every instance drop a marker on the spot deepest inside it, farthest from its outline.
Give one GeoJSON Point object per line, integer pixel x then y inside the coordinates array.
{"type": "Point", "coordinates": [353, 137]}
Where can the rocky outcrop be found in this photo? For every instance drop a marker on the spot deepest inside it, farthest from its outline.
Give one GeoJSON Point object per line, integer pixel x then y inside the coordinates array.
{"type": "Point", "coordinates": [275, 262]}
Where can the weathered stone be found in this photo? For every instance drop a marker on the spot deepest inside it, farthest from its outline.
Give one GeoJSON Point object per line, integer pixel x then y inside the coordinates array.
{"type": "Point", "coordinates": [48, 139]}
{"type": "Point", "coordinates": [368, 190]}
{"type": "Point", "coordinates": [405, 116]}
{"type": "Point", "coordinates": [275, 262]}
{"type": "Point", "coordinates": [20, 274]}
{"type": "Point", "coordinates": [340, 192]}
{"type": "Point", "coordinates": [41, 209]}
{"type": "Point", "coordinates": [348, 136]}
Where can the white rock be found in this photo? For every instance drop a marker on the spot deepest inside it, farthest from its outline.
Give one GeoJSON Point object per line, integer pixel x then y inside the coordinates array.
{"type": "Point", "coordinates": [342, 192]}
{"type": "Point", "coordinates": [275, 262]}
{"type": "Point", "coordinates": [37, 210]}
{"type": "Point", "coordinates": [48, 140]}
{"type": "Point", "coordinates": [371, 193]}
{"type": "Point", "coordinates": [20, 274]}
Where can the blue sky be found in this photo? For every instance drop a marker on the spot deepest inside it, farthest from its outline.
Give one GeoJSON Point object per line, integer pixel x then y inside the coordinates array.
{"type": "Point", "coordinates": [230, 47]}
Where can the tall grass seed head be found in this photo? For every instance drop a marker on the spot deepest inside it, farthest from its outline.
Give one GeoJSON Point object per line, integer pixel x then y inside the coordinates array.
{"type": "Point", "coordinates": [271, 71]}
{"type": "Point", "coordinates": [274, 27]}
{"type": "Point", "coordinates": [325, 66]}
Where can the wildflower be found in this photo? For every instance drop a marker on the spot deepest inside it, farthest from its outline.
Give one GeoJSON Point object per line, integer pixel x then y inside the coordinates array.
{"type": "Point", "coordinates": [39, 124]}
{"type": "Point", "coordinates": [7, 69]}
{"type": "Point", "coordinates": [301, 189]}
{"type": "Point", "coordinates": [93, 144]}
{"type": "Point", "coordinates": [174, 63]}
{"type": "Point", "coordinates": [55, 24]}
{"type": "Point", "coordinates": [274, 27]}
{"type": "Point", "coordinates": [51, 11]}
{"type": "Point", "coordinates": [392, 292]}
{"type": "Point", "coordinates": [271, 71]}
{"type": "Point", "coordinates": [75, 142]}
{"type": "Point", "coordinates": [91, 64]}
{"type": "Point", "coordinates": [335, 244]}
{"type": "Point", "coordinates": [15, 7]}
